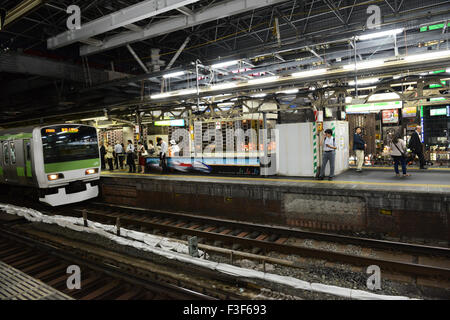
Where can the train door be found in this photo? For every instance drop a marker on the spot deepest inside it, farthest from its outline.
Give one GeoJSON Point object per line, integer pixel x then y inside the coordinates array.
{"type": "Point", "coordinates": [6, 158]}
{"type": "Point", "coordinates": [12, 170]}
{"type": "Point", "coordinates": [27, 158]}
{"type": "Point", "coordinates": [2, 164]}
{"type": "Point", "coordinates": [19, 156]}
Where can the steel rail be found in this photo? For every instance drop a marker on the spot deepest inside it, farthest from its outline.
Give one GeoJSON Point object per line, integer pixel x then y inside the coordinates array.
{"type": "Point", "coordinates": [321, 236]}
{"type": "Point", "coordinates": [385, 264]}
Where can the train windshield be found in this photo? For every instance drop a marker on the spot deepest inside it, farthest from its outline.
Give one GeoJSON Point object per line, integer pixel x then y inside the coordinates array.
{"type": "Point", "coordinates": [69, 143]}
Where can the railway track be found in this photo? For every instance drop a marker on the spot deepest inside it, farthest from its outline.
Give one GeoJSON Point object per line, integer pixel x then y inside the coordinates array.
{"type": "Point", "coordinates": [264, 239]}
{"type": "Point", "coordinates": [48, 263]}
{"type": "Point", "coordinates": [268, 244]}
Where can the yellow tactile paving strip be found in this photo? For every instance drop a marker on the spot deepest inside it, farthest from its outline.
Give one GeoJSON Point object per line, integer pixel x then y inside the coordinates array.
{"type": "Point", "coordinates": [409, 168]}
{"type": "Point", "coordinates": [240, 179]}
{"type": "Point", "coordinates": [16, 285]}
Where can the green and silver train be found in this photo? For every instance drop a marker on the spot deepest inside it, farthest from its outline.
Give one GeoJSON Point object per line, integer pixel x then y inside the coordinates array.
{"type": "Point", "coordinates": [61, 163]}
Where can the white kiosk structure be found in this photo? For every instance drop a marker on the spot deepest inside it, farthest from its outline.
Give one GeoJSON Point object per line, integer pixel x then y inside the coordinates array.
{"type": "Point", "coordinates": [297, 153]}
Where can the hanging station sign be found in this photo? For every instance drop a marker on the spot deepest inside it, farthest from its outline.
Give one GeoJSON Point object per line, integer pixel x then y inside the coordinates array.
{"type": "Point", "coordinates": [170, 123]}
{"type": "Point", "coordinates": [438, 112]}
{"type": "Point", "coordinates": [373, 107]}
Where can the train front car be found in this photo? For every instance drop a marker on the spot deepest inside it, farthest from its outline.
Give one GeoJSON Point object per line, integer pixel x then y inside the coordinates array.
{"type": "Point", "coordinates": [69, 160]}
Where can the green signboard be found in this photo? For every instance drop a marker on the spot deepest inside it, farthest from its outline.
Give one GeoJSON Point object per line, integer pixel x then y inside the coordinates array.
{"type": "Point", "coordinates": [373, 107]}
{"type": "Point", "coordinates": [438, 112]}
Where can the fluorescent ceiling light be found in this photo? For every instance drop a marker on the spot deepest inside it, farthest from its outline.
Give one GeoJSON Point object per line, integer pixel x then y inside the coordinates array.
{"type": "Point", "coordinates": [309, 73]}
{"type": "Point", "coordinates": [384, 96]}
{"type": "Point", "coordinates": [259, 95]}
{"type": "Point", "coordinates": [225, 85]}
{"type": "Point", "coordinates": [427, 56]}
{"type": "Point", "coordinates": [364, 65]}
{"type": "Point", "coordinates": [290, 91]}
{"type": "Point", "coordinates": [161, 95]}
{"type": "Point", "coordinates": [224, 64]}
{"type": "Point", "coordinates": [364, 81]}
{"type": "Point", "coordinates": [362, 89]}
{"type": "Point", "coordinates": [173, 74]}
{"type": "Point", "coordinates": [227, 104]}
{"type": "Point", "coordinates": [186, 91]}
{"type": "Point", "coordinates": [263, 80]}
{"type": "Point", "coordinates": [379, 34]}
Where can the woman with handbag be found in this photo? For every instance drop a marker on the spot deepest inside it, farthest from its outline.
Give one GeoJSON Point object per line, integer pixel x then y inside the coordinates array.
{"type": "Point", "coordinates": [399, 154]}
{"type": "Point", "coordinates": [142, 154]}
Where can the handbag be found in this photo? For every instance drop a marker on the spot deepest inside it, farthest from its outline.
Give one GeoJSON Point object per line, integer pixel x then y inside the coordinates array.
{"type": "Point", "coordinates": [404, 155]}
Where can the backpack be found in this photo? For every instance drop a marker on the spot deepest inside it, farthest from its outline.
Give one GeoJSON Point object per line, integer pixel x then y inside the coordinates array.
{"type": "Point", "coordinates": [334, 141]}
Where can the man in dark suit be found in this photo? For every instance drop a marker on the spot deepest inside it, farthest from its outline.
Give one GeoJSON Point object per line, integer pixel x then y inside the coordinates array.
{"type": "Point", "coordinates": [415, 144]}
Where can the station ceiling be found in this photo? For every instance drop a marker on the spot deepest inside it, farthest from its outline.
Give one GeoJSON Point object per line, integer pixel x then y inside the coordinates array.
{"type": "Point", "coordinates": [43, 74]}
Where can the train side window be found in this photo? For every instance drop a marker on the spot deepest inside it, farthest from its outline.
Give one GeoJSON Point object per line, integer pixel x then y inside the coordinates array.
{"type": "Point", "coordinates": [13, 152]}
{"type": "Point", "coordinates": [6, 153]}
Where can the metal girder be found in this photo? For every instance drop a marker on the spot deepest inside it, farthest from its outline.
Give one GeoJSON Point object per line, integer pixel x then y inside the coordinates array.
{"type": "Point", "coordinates": [23, 8]}
{"type": "Point", "coordinates": [136, 57]}
{"type": "Point", "coordinates": [363, 48]}
{"type": "Point", "coordinates": [337, 34]}
{"type": "Point", "coordinates": [335, 10]}
{"type": "Point", "coordinates": [186, 11]}
{"type": "Point", "coordinates": [177, 54]}
{"type": "Point", "coordinates": [218, 11]}
{"type": "Point", "coordinates": [19, 63]}
{"type": "Point", "coordinates": [121, 18]}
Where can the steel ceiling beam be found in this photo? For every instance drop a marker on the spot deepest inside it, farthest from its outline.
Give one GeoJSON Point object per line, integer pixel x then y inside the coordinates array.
{"type": "Point", "coordinates": [218, 11]}
{"type": "Point", "coordinates": [363, 48]}
{"type": "Point", "coordinates": [335, 10]}
{"type": "Point", "coordinates": [25, 64]}
{"type": "Point", "coordinates": [21, 9]}
{"type": "Point", "coordinates": [121, 18]}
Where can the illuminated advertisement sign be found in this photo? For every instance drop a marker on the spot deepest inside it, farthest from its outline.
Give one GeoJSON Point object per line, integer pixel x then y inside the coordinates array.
{"type": "Point", "coordinates": [390, 116]}
{"type": "Point", "coordinates": [409, 112]}
{"type": "Point", "coordinates": [373, 107]}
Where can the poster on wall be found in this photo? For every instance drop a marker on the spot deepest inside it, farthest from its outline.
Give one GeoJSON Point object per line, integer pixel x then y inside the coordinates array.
{"type": "Point", "coordinates": [390, 116]}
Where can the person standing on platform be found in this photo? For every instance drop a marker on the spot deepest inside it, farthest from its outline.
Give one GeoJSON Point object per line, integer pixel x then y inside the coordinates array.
{"type": "Point", "coordinates": [359, 146]}
{"type": "Point", "coordinates": [398, 153]}
{"type": "Point", "coordinates": [174, 148]}
{"type": "Point", "coordinates": [415, 144]}
{"type": "Point", "coordinates": [102, 155]}
{"type": "Point", "coordinates": [130, 157]}
{"type": "Point", "coordinates": [109, 156]}
{"type": "Point", "coordinates": [118, 155]}
{"type": "Point", "coordinates": [151, 148]}
{"type": "Point", "coordinates": [163, 154]}
{"type": "Point", "coordinates": [122, 156]}
{"type": "Point", "coordinates": [329, 154]}
{"type": "Point", "coordinates": [142, 153]}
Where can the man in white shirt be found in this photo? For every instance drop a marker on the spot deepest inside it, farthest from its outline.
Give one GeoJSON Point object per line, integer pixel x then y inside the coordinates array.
{"type": "Point", "coordinates": [329, 154]}
{"type": "Point", "coordinates": [130, 157]}
{"type": "Point", "coordinates": [118, 155]}
{"type": "Point", "coordinates": [163, 153]}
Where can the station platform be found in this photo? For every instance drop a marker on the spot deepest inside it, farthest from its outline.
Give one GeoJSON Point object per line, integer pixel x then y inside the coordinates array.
{"type": "Point", "coordinates": [16, 285]}
{"type": "Point", "coordinates": [372, 201]}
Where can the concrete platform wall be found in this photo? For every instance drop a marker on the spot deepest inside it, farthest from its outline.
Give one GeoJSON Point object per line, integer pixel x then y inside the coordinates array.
{"type": "Point", "coordinates": [318, 206]}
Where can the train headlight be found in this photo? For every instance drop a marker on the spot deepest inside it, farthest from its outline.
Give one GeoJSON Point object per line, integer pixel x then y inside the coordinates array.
{"type": "Point", "coordinates": [55, 176]}
{"type": "Point", "coordinates": [91, 171]}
